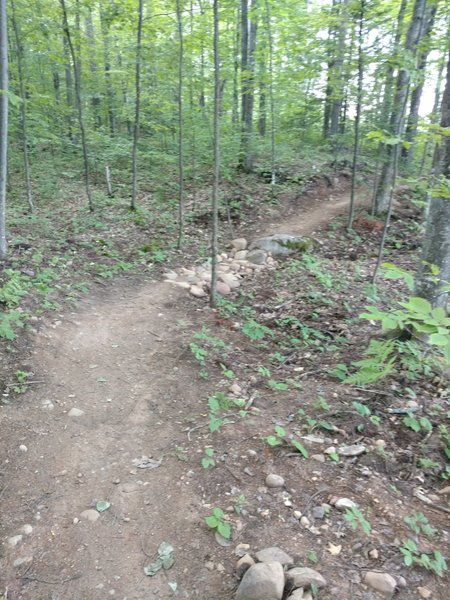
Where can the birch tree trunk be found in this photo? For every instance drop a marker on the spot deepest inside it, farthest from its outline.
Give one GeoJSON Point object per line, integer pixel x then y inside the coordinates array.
{"type": "Point", "coordinates": [3, 126]}
{"type": "Point", "coordinates": [436, 243]}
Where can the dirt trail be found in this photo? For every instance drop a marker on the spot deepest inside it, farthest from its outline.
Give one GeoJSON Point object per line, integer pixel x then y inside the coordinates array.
{"type": "Point", "coordinates": [120, 360]}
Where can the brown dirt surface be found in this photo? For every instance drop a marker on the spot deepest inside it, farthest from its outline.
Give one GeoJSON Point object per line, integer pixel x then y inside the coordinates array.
{"type": "Point", "coordinates": [122, 357]}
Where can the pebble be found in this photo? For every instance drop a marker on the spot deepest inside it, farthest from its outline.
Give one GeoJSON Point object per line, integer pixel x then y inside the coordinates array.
{"type": "Point", "coordinates": [318, 457]}
{"type": "Point", "coordinates": [90, 515]}
{"type": "Point", "coordinates": [26, 529]}
{"type": "Point", "coordinates": [373, 553]}
{"type": "Point", "coordinates": [263, 580]}
{"type": "Point", "coordinates": [210, 565]}
{"type": "Point", "coordinates": [23, 448]}
{"type": "Point", "coordinates": [222, 288]}
{"type": "Point", "coordinates": [305, 522]}
{"type": "Point", "coordinates": [274, 481]}
{"type": "Point", "coordinates": [197, 291]}
{"type": "Point", "coordinates": [239, 244]}
{"type": "Point", "coordinates": [22, 561]}
{"type": "Point", "coordinates": [318, 512]}
{"type": "Point", "coordinates": [15, 539]}
{"type": "Point", "coordinates": [241, 549]}
{"type": "Point", "coordinates": [382, 582]}
{"type": "Point", "coordinates": [240, 255]}
{"type": "Point", "coordinates": [424, 592]}
{"type": "Point", "coordinates": [274, 554]}
{"type": "Point", "coordinates": [353, 450]}
{"type": "Point", "coordinates": [75, 412]}
{"type": "Point", "coordinates": [235, 388]}
{"type": "Point", "coordinates": [244, 564]}
{"type": "Point", "coordinates": [344, 504]}
{"type": "Point", "coordinates": [47, 405]}
{"type": "Point", "coordinates": [298, 514]}
{"type": "Point", "coordinates": [221, 540]}
{"type": "Point", "coordinates": [304, 577]}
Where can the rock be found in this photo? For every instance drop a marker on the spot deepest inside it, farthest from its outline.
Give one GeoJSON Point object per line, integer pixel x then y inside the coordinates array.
{"type": "Point", "coordinates": [241, 549]}
{"type": "Point", "coordinates": [221, 540]}
{"type": "Point", "coordinates": [197, 291]}
{"type": "Point", "coordinates": [22, 561]}
{"type": "Point", "coordinates": [316, 439]}
{"type": "Point", "coordinates": [257, 257]}
{"type": "Point", "coordinates": [75, 412]}
{"type": "Point", "coordinates": [301, 577]}
{"type": "Point", "coordinates": [445, 490]}
{"type": "Point", "coordinates": [281, 244]}
{"type": "Point", "coordinates": [170, 275]}
{"type": "Point", "coordinates": [318, 512]}
{"type": "Point", "coordinates": [244, 564]}
{"type": "Point", "coordinates": [230, 279]}
{"type": "Point", "coordinates": [274, 554]}
{"type": "Point", "coordinates": [23, 448]}
{"type": "Point", "coordinates": [318, 457]}
{"type": "Point", "coordinates": [47, 405]}
{"type": "Point", "coordinates": [373, 553]}
{"type": "Point", "coordinates": [274, 481]}
{"type": "Point", "coordinates": [401, 582]}
{"type": "Point", "coordinates": [235, 389]}
{"type": "Point", "coordinates": [182, 284]}
{"type": "Point", "coordinates": [90, 515]}
{"type": "Point", "coordinates": [26, 529]}
{"type": "Point", "coordinates": [344, 504]}
{"type": "Point", "coordinates": [239, 244]}
{"type": "Point", "coordinates": [263, 581]}
{"type": "Point", "coordinates": [305, 522]}
{"type": "Point", "coordinates": [296, 595]}
{"type": "Point", "coordinates": [241, 255]}
{"type": "Point", "coordinates": [15, 539]}
{"type": "Point", "coordinates": [222, 288]}
{"type": "Point", "coordinates": [210, 566]}
{"type": "Point", "coordinates": [424, 592]}
{"type": "Point", "coordinates": [353, 450]}
{"type": "Point", "coordinates": [382, 582]}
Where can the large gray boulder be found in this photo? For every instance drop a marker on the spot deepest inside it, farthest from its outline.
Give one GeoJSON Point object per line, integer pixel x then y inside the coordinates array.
{"type": "Point", "coordinates": [282, 244]}
{"type": "Point", "coordinates": [263, 581]}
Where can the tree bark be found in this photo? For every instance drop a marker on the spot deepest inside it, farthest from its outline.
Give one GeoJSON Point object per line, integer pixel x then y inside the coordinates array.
{"type": "Point", "coordinates": [180, 126]}
{"type": "Point", "coordinates": [248, 43]}
{"type": "Point", "coordinates": [337, 91]}
{"type": "Point", "coordinates": [23, 107]}
{"type": "Point", "coordinates": [216, 159]}
{"type": "Point", "coordinates": [104, 24]}
{"type": "Point", "coordinates": [3, 126]}
{"type": "Point", "coordinates": [436, 243]}
{"type": "Point", "coordinates": [396, 123]}
{"type": "Point", "coordinates": [137, 111]}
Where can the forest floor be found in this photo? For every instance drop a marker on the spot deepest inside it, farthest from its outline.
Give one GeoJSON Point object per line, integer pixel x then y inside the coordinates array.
{"type": "Point", "coordinates": [116, 411]}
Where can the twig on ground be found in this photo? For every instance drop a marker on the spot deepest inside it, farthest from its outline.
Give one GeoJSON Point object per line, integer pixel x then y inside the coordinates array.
{"type": "Point", "coordinates": [51, 582]}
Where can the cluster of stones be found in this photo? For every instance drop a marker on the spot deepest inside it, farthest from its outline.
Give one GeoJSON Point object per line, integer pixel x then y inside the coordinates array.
{"type": "Point", "coordinates": [232, 268]}
{"type": "Point", "coordinates": [272, 575]}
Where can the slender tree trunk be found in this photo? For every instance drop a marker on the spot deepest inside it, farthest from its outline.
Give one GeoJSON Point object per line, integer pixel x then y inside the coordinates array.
{"type": "Point", "coordinates": [180, 126]}
{"type": "Point", "coordinates": [337, 95]}
{"type": "Point", "coordinates": [235, 106]}
{"type": "Point", "coordinates": [3, 126]}
{"type": "Point", "coordinates": [248, 42]}
{"type": "Point", "coordinates": [137, 112]}
{"type": "Point", "coordinates": [216, 152]}
{"type": "Point", "coordinates": [436, 244]}
{"type": "Point", "coordinates": [77, 78]}
{"type": "Point", "coordinates": [107, 70]}
{"type": "Point", "coordinates": [359, 96]}
{"type": "Point", "coordinates": [396, 124]}
{"type": "Point", "coordinates": [23, 107]}
{"type": "Point", "coordinates": [69, 85]}
{"type": "Point", "coordinates": [271, 99]}
{"type": "Point", "coordinates": [434, 117]}
{"type": "Point", "coordinates": [95, 97]}
{"type": "Point", "coordinates": [193, 122]}
{"type": "Point", "coordinates": [416, 94]}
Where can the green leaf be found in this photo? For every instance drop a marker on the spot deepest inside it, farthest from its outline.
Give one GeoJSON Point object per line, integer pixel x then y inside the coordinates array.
{"type": "Point", "coordinates": [301, 448]}
{"type": "Point", "coordinates": [211, 521]}
{"type": "Point", "coordinates": [438, 339]}
{"type": "Point", "coordinates": [224, 529]}
{"type": "Point", "coordinates": [280, 431]}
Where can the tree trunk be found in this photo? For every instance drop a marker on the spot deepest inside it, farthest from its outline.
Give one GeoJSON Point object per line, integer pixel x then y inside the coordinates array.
{"type": "Point", "coordinates": [337, 92]}
{"type": "Point", "coordinates": [416, 95]}
{"type": "Point", "coordinates": [23, 107]}
{"type": "Point", "coordinates": [180, 126]}
{"type": "Point", "coordinates": [216, 158]}
{"type": "Point", "coordinates": [235, 106]}
{"type": "Point", "coordinates": [95, 97]}
{"type": "Point", "coordinates": [107, 70]}
{"type": "Point", "coordinates": [271, 99]}
{"type": "Point", "coordinates": [248, 43]}
{"type": "Point", "coordinates": [436, 244]}
{"type": "Point", "coordinates": [137, 111]}
{"type": "Point", "coordinates": [396, 123]}
{"type": "Point", "coordinates": [69, 85]}
{"type": "Point", "coordinates": [433, 117]}
{"type": "Point", "coordinates": [3, 126]}
{"type": "Point", "coordinates": [77, 78]}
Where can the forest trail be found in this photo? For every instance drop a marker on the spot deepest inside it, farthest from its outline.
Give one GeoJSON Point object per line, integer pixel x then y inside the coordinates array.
{"type": "Point", "coordinates": [120, 360]}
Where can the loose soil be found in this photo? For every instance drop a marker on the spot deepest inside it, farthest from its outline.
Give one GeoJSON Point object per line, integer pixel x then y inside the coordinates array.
{"type": "Point", "coordinates": [123, 359]}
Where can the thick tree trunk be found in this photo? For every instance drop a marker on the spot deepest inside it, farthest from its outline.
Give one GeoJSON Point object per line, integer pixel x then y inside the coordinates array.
{"type": "Point", "coordinates": [337, 91]}
{"type": "Point", "coordinates": [3, 126]}
{"type": "Point", "coordinates": [107, 70]}
{"type": "Point", "coordinates": [396, 124]}
{"type": "Point", "coordinates": [137, 111]}
{"type": "Point", "coordinates": [436, 244]}
{"type": "Point", "coordinates": [433, 118]}
{"type": "Point", "coordinates": [248, 43]}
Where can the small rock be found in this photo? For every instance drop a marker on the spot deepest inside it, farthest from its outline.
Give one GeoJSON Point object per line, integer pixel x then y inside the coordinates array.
{"type": "Point", "coordinates": [315, 439]}
{"type": "Point", "coordinates": [23, 448]}
{"type": "Point", "coordinates": [244, 564]}
{"type": "Point", "coordinates": [299, 577]}
{"type": "Point", "coordinates": [297, 514]}
{"type": "Point", "coordinates": [90, 515]}
{"type": "Point", "coordinates": [382, 582]}
{"type": "Point", "coordinates": [262, 581]}
{"type": "Point", "coordinates": [22, 561]}
{"type": "Point", "coordinates": [445, 490]}
{"type": "Point", "coordinates": [373, 553]}
{"type": "Point", "coordinates": [170, 275]}
{"type": "Point", "coordinates": [182, 284]}
{"type": "Point", "coordinates": [235, 389]}
{"type": "Point", "coordinates": [220, 568]}
{"type": "Point", "coordinates": [47, 405]}
{"type": "Point", "coordinates": [318, 512]}
{"type": "Point", "coordinates": [305, 522]}
{"type": "Point", "coordinates": [210, 565]}
{"type": "Point", "coordinates": [26, 529]}
{"type": "Point", "coordinates": [75, 412]}
{"type": "Point", "coordinates": [353, 450]}
{"type": "Point", "coordinates": [222, 288]}
{"type": "Point", "coordinates": [318, 457]}
{"type": "Point", "coordinates": [15, 539]}
{"type": "Point", "coordinates": [401, 582]}
{"type": "Point", "coordinates": [274, 554]}
{"type": "Point", "coordinates": [274, 481]}
{"type": "Point", "coordinates": [221, 540]}
{"type": "Point", "coordinates": [241, 255]}
{"type": "Point", "coordinates": [424, 592]}
{"type": "Point", "coordinates": [241, 549]}
{"type": "Point", "coordinates": [197, 291]}
{"type": "Point", "coordinates": [296, 595]}
{"type": "Point", "coordinates": [239, 244]}
{"type": "Point", "coordinates": [344, 504]}
{"type": "Point", "coordinates": [257, 257]}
